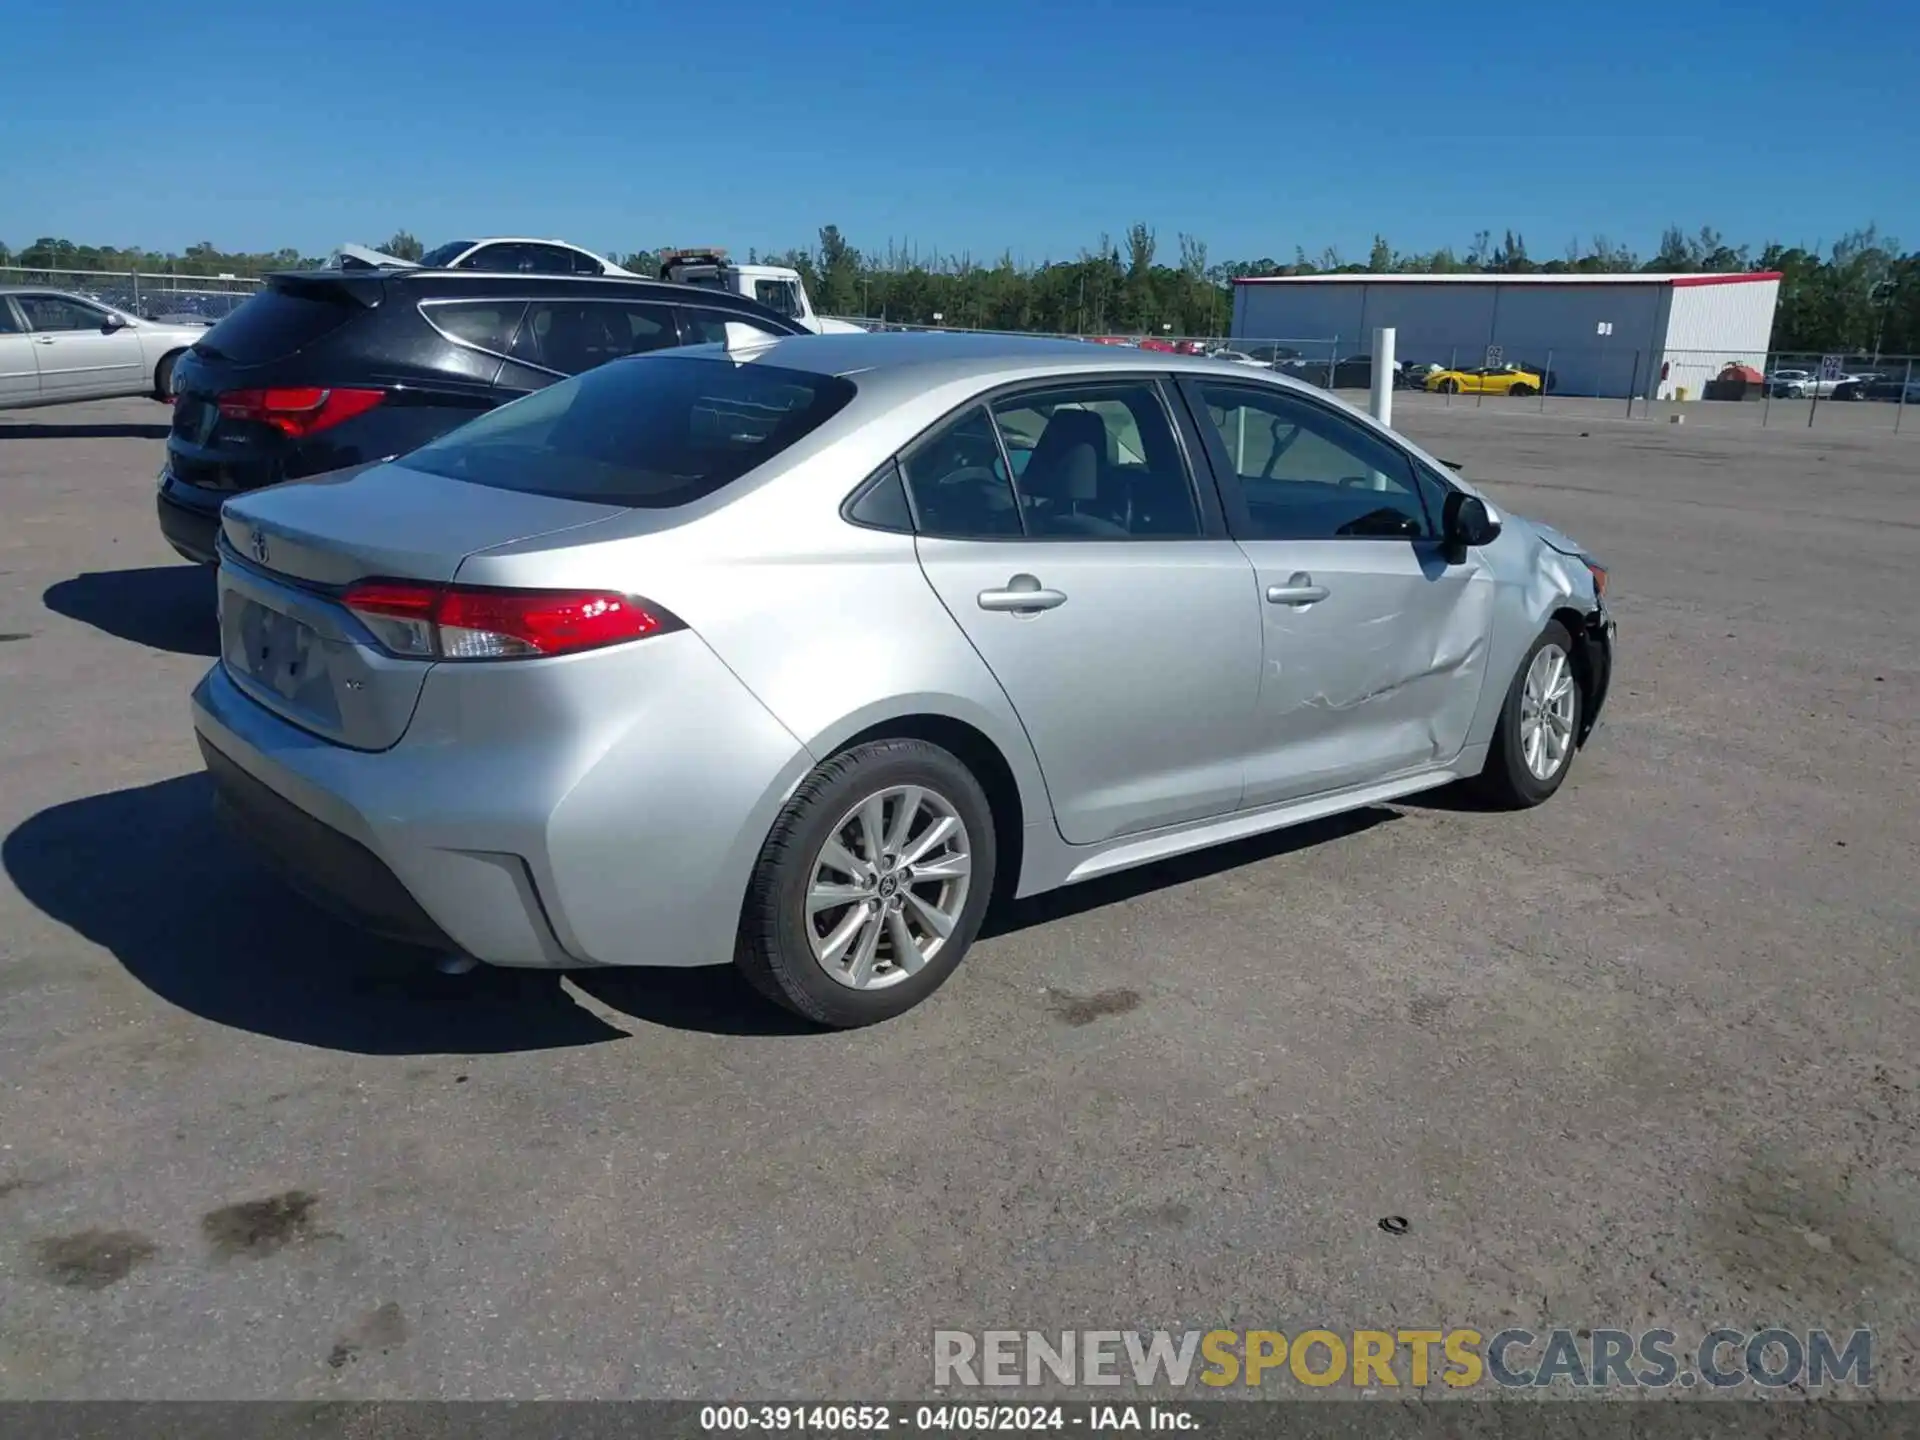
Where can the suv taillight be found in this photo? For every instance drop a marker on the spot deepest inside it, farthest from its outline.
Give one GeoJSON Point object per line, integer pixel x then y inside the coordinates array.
{"type": "Point", "coordinates": [298, 410]}
{"type": "Point", "coordinates": [472, 622]}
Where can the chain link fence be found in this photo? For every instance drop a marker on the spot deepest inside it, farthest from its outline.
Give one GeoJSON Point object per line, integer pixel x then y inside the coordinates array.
{"type": "Point", "coordinates": [1834, 389]}
{"type": "Point", "coordinates": [1837, 390]}
{"type": "Point", "coordinates": [147, 295]}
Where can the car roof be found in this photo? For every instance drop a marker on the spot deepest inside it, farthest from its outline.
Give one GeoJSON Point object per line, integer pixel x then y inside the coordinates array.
{"type": "Point", "coordinates": [941, 356]}
{"type": "Point", "coordinates": [455, 284]}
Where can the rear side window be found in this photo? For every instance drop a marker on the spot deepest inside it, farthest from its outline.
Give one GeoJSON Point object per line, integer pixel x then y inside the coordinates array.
{"type": "Point", "coordinates": [275, 323]}
{"type": "Point", "coordinates": [572, 336]}
{"type": "Point", "coordinates": [484, 324]}
{"type": "Point", "coordinates": [652, 434]}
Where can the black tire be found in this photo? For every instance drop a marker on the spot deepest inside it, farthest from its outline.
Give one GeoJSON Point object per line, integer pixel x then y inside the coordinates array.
{"type": "Point", "coordinates": [1522, 390]}
{"type": "Point", "coordinates": [773, 951]}
{"type": "Point", "coordinates": [163, 376]}
{"type": "Point", "coordinates": [1448, 387]}
{"type": "Point", "coordinates": [1507, 781]}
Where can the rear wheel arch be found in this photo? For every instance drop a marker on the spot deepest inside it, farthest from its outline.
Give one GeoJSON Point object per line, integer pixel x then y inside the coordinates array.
{"type": "Point", "coordinates": [975, 749]}
{"type": "Point", "coordinates": [163, 373]}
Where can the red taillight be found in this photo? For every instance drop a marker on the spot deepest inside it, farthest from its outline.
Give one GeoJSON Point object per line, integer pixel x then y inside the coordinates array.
{"type": "Point", "coordinates": [470, 622]}
{"type": "Point", "coordinates": [299, 410]}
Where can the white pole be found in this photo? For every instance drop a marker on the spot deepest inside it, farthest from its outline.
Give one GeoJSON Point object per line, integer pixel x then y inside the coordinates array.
{"type": "Point", "coordinates": [1382, 406]}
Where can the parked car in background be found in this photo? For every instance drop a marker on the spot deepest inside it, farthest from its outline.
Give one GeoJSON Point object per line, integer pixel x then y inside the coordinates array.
{"type": "Point", "coordinates": [1266, 352]}
{"type": "Point", "coordinates": [1238, 357]}
{"type": "Point", "coordinates": [1804, 384]}
{"type": "Point", "coordinates": [572, 686]}
{"type": "Point", "coordinates": [333, 368]}
{"type": "Point", "coordinates": [1549, 379]}
{"type": "Point", "coordinates": [57, 347]}
{"type": "Point", "coordinates": [497, 255]}
{"type": "Point", "coordinates": [1485, 380]}
{"type": "Point", "coordinates": [1865, 384]}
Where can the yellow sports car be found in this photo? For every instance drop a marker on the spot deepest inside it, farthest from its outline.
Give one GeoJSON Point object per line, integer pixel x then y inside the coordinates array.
{"type": "Point", "coordinates": [1487, 380]}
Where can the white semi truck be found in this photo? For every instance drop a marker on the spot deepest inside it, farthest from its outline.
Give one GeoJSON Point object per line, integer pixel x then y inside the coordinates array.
{"type": "Point", "coordinates": [778, 287]}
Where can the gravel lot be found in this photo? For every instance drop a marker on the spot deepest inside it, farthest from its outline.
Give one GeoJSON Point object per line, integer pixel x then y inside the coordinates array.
{"type": "Point", "coordinates": [1649, 1054]}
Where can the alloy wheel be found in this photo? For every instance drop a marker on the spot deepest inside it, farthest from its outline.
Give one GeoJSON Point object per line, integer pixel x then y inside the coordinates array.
{"type": "Point", "coordinates": [1547, 702]}
{"type": "Point", "coordinates": [888, 887]}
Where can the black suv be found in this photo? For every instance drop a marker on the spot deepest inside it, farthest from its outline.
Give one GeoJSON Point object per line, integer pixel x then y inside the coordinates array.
{"type": "Point", "coordinates": [326, 369]}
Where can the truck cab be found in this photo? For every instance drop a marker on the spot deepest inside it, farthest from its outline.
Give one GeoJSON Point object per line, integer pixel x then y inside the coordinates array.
{"type": "Point", "coordinates": [778, 287]}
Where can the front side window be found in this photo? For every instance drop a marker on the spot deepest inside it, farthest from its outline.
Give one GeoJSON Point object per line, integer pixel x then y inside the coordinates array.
{"type": "Point", "coordinates": [556, 260]}
{"type": "Point", "coordinates": [960, 486]}
{"type": "Point", "coordinates": [653, 434]}
{"type": "Point", "coordinates": [1098, 463]}
{"type": "Point", "coordinates": [8, 324]}
{"type": "Point", "coordinates": [56, 312]}
{"type": "Point", "coordinates": [1309, 473]}
{"type": "Point", "coordinates": [780, 295]}
{"type": "Point", "coordinates": [499, 260]}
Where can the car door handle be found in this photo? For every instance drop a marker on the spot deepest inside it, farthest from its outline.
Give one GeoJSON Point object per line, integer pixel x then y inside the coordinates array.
{"type": "Point", "coordinates": [1022, 592]}
{"type": "Point", "coordinates": [1299, 590]}
{"type": "Point", "coordinates": [43, 339]}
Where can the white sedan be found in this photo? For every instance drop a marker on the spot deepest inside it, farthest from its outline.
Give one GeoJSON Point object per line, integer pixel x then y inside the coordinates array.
{"type": "Point", "coordinates": [56, 348]}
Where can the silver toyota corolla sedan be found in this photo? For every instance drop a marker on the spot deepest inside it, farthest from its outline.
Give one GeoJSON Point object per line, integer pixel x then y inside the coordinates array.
{"type": "Point", "coordinates": [795, 653]}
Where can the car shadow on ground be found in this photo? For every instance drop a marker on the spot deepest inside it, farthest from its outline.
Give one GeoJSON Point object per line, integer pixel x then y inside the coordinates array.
{"type": "Point", "coordinates": [167, 607]}
{"type": "Point", "coordinates": [1462, 797]}
{"type": "Point", "coordinates": [151, 875]}
{"type": "Point", "coordinates": [157, 430]}
{"type": "Point", "coordinates": [717, 1000]}
{"type": "Point", "coordinates": [1010, 916]}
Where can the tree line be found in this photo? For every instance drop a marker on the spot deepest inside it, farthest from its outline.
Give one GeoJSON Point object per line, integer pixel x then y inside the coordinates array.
{"type": "Point", "coordinates": [1859, 294]}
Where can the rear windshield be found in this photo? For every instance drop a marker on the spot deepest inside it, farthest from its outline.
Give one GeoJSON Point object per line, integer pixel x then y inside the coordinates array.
{"type": "Point", "coordinates": [652, 432]}
{"type": "Point", "coordinates": [273, 324]}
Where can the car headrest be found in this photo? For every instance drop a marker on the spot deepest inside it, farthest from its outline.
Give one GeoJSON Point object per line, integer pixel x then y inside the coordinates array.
{"type": "Point", "coordinates": [1073, 474]}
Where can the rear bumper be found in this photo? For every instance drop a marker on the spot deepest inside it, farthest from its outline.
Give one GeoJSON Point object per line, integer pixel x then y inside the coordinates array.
{"type": "Point", "coordinates": [601, 809]}
{"type": "Point", "coordinates": [189, 528]}
{"type": "Point", "coordinates": [332, 870]}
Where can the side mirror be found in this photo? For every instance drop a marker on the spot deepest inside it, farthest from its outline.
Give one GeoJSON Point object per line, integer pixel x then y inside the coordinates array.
{"type": "Point", "coordinates": [113, 323]}
{"type": "Point", "coordinates": [1466, 523]}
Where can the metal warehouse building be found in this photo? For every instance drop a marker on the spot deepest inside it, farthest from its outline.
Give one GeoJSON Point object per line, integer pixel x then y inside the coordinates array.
{"type": "Point", "coordinates": [1614, 334]}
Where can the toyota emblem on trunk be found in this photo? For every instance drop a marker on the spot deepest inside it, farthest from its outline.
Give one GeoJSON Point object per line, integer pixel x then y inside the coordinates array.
{"type": "Point", "coordinates": [258, 545]}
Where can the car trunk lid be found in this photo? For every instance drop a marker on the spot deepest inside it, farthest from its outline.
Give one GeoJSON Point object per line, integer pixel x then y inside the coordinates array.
{"type": "Point", "coordinates": [290, 552]}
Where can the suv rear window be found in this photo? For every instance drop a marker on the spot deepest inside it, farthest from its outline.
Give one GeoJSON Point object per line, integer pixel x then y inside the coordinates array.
{"type": "Point", "coordinates": [275, 323]}
{"type": "Point", "coordinates": [651, 432]}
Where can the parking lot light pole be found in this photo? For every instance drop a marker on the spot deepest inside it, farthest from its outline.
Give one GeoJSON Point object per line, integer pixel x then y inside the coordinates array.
{"type": "Point", "coordinates": [1382, 404]}
{"type": "Point", "coordinates": [1901, 408]}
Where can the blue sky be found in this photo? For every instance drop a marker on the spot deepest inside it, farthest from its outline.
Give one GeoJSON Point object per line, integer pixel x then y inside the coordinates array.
{"type": "Point", "coordinates": [978, 127]}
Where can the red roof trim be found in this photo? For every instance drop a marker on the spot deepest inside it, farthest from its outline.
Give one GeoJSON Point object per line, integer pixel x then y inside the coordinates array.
{"type": "Point", "coordinates": [1569, 278]}
{"type": "Point", "coordinates": [1729, 279]}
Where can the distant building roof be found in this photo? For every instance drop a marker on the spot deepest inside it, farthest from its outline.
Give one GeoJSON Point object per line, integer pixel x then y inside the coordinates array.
{"type": "Point", "coordinates": [1609, 277]}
